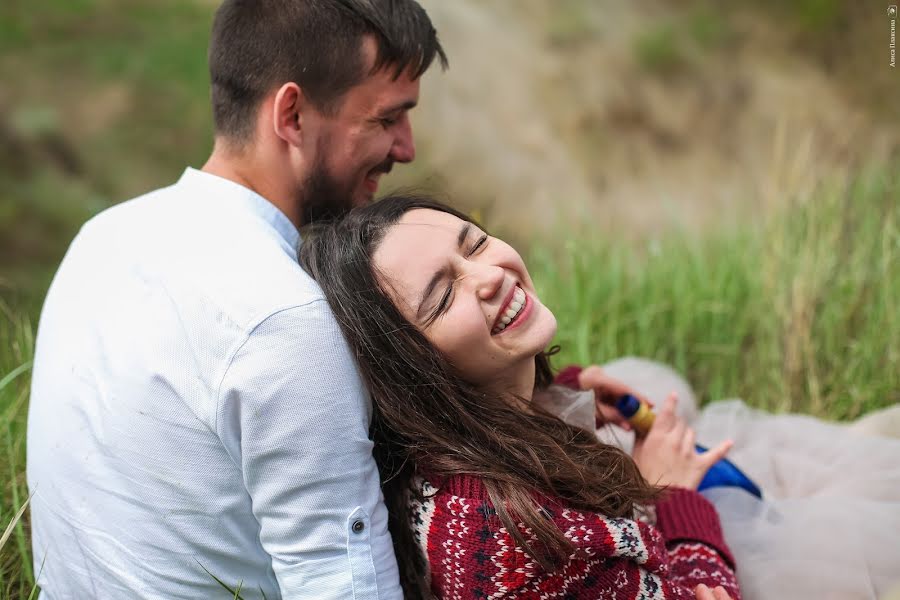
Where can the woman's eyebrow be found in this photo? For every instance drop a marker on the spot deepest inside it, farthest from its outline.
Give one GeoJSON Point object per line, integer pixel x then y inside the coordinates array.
{"type": "Point", "coordinates": [463, 234]}
{"type": "Point", "coordinates": [441, 273]}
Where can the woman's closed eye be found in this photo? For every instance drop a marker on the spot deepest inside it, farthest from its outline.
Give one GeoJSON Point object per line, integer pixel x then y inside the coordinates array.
{"type": "Point", "coordinates": [478, 245]}
{"type": "Point", "coordinates": [446, 298]}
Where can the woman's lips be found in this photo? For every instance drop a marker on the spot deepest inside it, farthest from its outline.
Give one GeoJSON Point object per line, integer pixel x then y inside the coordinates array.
{"type": "Point", "coordinates": [522, 316]}
{"type": "Point", "coordinates": [505, 305]}
{"type": "Point", "coordinates": [518, 301]}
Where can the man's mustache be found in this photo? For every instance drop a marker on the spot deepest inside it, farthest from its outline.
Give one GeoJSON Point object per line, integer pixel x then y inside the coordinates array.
{"type": "Point", "coordinates": [384, 167]}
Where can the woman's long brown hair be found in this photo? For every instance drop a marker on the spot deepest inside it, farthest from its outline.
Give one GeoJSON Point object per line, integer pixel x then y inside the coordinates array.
{"type": "Point", "coordinates": [426, 414]}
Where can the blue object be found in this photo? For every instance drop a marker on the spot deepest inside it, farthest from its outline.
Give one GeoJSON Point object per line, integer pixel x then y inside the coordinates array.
{"type": "Point", "coordinates": [725, 473]}
{"type": "Point", "coordinates": [722, 473]}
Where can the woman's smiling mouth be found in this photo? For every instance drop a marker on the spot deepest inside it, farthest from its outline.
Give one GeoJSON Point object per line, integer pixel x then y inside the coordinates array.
{"type": "Point", "coordinates": [512, 312]}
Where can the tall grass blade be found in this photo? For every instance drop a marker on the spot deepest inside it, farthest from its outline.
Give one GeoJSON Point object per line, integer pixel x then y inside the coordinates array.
{"type": "Point", "coordinates": [14, 373]}
{"type": "Point", "coordinates": [34, 588]}
{"type": "Point", "coordinates": [15, 520]}
{"type": "Point", "coordinates": [235, 592]}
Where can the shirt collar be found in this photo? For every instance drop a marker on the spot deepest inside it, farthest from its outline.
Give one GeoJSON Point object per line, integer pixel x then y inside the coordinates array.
{"type": "Point", "coordinates": [225, 190]}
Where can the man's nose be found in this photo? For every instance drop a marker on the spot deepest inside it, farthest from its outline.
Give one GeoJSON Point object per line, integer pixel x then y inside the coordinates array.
{"type": "Point", "coordinates": [404, 148]}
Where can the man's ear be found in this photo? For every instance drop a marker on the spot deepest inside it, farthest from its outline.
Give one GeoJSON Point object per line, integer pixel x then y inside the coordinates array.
{"type": "Point", "coordinates": [287, 113]}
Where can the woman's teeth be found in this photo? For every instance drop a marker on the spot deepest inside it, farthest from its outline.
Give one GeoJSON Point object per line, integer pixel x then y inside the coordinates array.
{"type": "Point", "coordinates": [512, 311]}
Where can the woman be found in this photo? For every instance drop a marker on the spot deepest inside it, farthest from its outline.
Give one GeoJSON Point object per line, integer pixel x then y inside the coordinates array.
{"type": "Point", "coordinates": [489, 494]}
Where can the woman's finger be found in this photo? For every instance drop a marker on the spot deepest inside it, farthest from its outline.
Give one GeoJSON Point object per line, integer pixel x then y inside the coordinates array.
{"type": "Point", "coordinates": [678, 431]}
{"type": "Point", "coordinates": [665, 418]}
{"type": "Point", "coordinates": [719, 593]}
{"type": "Point", "coordinates": [688, 442]}
{"type": "Point", "coordinates": [714, 455]}
{"type": "Point", "coordinates": [702, 592]}
{"type": "Point", "coordinates": [608, 415]}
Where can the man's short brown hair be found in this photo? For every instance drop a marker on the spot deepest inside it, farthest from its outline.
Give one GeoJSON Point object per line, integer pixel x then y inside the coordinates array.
{"type": "Point", "coordinates": [257, 45]}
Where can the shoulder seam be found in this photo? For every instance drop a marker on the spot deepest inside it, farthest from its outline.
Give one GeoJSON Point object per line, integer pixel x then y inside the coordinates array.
{"type": "Point", "coordinates": [229, 360]}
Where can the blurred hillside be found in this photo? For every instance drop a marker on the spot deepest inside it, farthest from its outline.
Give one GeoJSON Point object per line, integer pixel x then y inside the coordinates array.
{"type": "Point", "coordinates": [641, 115]}
{"type": "Point", "coordinates": [637, 116]}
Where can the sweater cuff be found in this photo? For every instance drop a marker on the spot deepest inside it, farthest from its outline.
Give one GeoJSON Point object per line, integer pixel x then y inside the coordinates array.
{"type": "Point", "coordinates": [685, 515]}
{"type": "Point", "coordinates": [568, 377]}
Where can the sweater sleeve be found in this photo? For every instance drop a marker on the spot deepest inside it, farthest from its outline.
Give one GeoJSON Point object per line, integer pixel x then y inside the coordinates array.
{"type": "Point", "coordinates": [568, 377]}
{"type": "Point", "coordinates": [630, 559]}
{"type": "Point", "coordinates": [685, 516]}
{"type": "Point", "coordinates": [468, 549]}
{"type": "Point", "coordinates": [695, 545]}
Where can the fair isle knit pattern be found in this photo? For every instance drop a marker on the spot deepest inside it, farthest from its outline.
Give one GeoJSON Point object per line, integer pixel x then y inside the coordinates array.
{"type": "Point", "coordinates": [471, 555]}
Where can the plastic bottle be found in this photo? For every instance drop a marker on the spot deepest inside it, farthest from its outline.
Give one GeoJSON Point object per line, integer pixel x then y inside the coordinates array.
{"type": "Point", "coordinates": [722, 473]}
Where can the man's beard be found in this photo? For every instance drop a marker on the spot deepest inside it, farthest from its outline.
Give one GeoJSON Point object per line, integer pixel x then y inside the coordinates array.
{"type": "Point", "coordinates": [323, 198]}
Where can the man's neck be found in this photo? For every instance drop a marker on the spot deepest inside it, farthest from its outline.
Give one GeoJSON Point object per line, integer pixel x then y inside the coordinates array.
{"type": "Point", "coordinates": [247, 169]}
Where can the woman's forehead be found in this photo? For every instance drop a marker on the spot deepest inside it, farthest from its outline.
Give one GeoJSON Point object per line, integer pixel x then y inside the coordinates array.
{"type": "Point", "coordinates": [424, 232]}
{"type": "Point", "coordinates": [431, 220]}
{"type": "Point", "coordinates": [416, 246]}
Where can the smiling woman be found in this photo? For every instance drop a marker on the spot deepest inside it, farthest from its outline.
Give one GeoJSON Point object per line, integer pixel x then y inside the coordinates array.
{"type": "Point", "coordinates": [450, 336]}
{"type": "Point", "coordinates": [470, 294]}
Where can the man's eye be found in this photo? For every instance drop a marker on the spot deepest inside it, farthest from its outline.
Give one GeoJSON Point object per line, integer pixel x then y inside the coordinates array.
{"type": "Point", "coordinates": [388, 121]}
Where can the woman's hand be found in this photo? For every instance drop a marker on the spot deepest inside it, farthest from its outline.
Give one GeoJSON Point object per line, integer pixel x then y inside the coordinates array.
{"type": "Point", "coordinates": [717, 593]}
{"type": "Point", "coordinates": [606, 392]}
{"type": "Point", "coordinates": [667, 456]}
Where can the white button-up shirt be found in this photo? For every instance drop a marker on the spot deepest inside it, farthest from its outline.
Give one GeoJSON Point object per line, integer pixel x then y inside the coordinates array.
{"type": "Point", "coordinates": [196, 414]}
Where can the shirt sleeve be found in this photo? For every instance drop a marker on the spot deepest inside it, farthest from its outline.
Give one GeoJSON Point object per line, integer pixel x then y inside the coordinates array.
{"type": "Point", "coordinates": [294, 415]}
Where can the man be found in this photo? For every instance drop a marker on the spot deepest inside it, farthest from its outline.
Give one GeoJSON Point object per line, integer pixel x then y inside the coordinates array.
{"type": "Point", "coordinates": [195, 415]}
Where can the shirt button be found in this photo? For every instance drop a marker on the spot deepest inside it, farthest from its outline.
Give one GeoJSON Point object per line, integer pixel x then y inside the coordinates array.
{"type": "Point", "coordinates": [358, 526]}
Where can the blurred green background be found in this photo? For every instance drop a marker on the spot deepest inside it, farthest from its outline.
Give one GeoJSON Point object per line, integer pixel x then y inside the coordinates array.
{"type": "Point", "coordinates": [712, 184]}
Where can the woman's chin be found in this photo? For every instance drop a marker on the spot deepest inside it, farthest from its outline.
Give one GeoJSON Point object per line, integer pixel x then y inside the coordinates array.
{"type": "Point", "coordinates": [542, 330]}
{"type": "Point", "coordinates": [550, 328]}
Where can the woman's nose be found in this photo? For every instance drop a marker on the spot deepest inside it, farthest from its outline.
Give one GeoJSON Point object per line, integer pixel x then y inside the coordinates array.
{"type": "Point", "coordinates": [488, 280]}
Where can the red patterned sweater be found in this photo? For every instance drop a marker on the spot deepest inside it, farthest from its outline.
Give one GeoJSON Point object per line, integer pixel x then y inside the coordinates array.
{"type": "Point", "coordinates": [471, 555]}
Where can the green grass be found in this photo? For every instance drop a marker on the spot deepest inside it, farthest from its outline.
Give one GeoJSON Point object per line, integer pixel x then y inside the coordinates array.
{"type": "Point", "coordinates": [795, 314]}
{"type": "Point", "coordinates": [16, 349]}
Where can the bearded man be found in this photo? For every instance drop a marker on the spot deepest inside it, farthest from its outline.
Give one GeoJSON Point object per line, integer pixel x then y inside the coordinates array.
{"type": "Point", "coordinates": [195, 414]}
